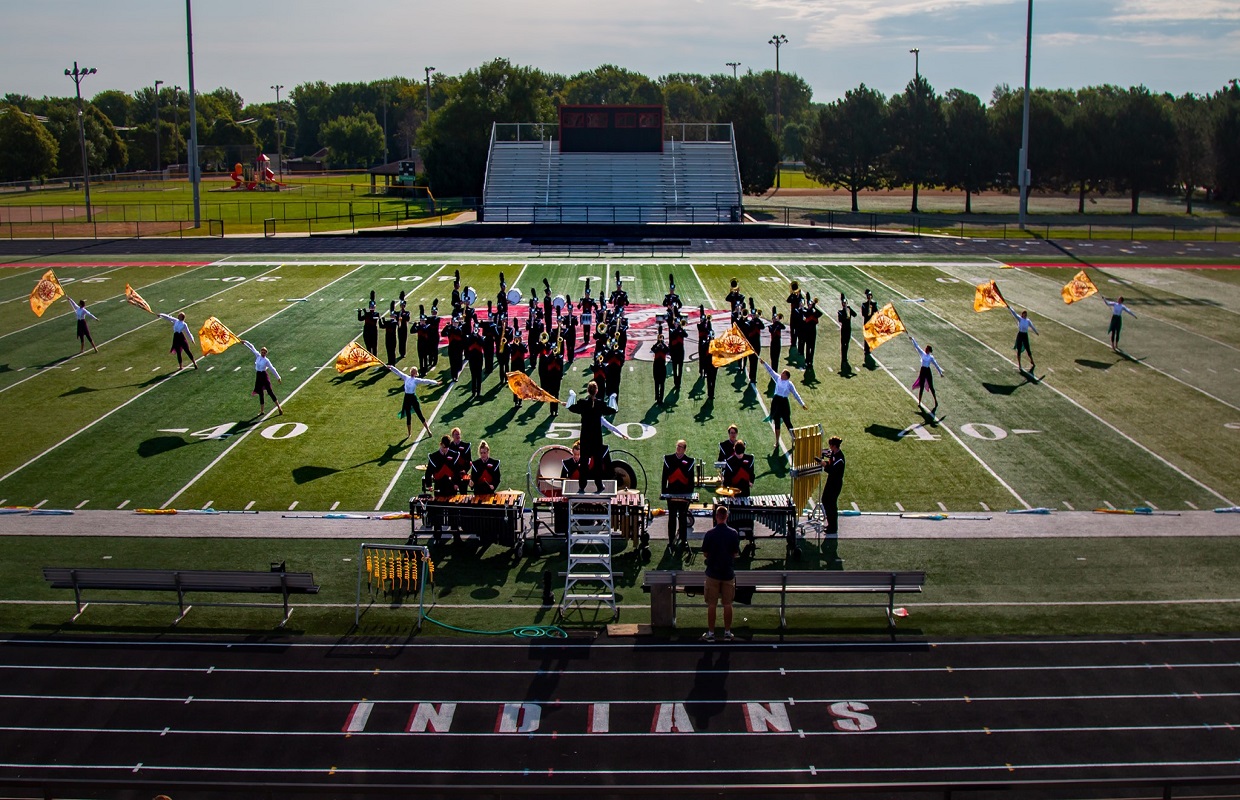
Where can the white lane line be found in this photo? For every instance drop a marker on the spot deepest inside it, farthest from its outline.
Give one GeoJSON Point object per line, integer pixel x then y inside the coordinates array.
{"type": "Point", "coordinates": [81, 504]}
{"type": "Point", "coordinates": [1071, 400]}
{"type": "Point", "coordinates": [335, 506]}
{"type": "Point", "coordinates": [899, 508]}
{"type": "Point", "coordinates": [249, 505]}
{"type": "Point", "coordinates": [1190, 504]}
{"type": "Point", "coordinates": [1068, 506]}
{"type": "Point", "coordinates": [239, 439]}
{"type": "Point", "coordinates": [122, 505]}
{"type": "Point", "coordinates": [294, 505]}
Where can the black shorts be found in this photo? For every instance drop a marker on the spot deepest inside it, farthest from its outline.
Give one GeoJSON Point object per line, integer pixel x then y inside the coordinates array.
{"type": "Point", "coordinates": [1022, 343]}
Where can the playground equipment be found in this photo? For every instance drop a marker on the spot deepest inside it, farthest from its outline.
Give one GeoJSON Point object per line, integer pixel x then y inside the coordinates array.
{"type": "Point", "coordinates": [256, 178]}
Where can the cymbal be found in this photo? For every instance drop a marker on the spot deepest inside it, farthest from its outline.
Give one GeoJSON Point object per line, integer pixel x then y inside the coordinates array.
{"type": "Point", "coordinates": [420, 467]}
{"type": "Point", "coordinates": [727, 491]}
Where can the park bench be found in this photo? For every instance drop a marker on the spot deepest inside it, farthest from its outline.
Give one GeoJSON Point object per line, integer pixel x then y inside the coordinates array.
{"type": "Point", "coordinates": [182, 581]}
{"type": "Point", "coordinates": [664, 585]}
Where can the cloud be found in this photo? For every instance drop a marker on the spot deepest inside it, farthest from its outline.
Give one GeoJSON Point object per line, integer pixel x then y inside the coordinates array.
{"type": "Point", "coordinates": [1155, 11]}
{"type": "Point", "coordinates": [861, 21]}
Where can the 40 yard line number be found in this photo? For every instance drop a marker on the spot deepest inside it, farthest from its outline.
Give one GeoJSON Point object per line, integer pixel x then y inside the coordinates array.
{"type": "Point", "coordinates": [276, 432]}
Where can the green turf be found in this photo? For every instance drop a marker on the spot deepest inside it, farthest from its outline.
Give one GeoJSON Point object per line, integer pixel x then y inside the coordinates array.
{"type": "Point", "coordinates": [974, 587]}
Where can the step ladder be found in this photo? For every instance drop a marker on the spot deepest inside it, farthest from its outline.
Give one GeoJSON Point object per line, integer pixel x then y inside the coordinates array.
{"type": "Point", "coordinates": [589, 578]}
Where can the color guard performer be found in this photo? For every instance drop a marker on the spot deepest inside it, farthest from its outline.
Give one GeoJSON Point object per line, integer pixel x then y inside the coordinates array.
{"type": "Point", "coordinates": [181, 338]}
{"type": "Point", "coordinates": [738, 471]}
{"type": "Point", "coordinates": [484, 475]}
{"type": "Point", "coordinates": [83, 330]}
{"type": "Point", "coordinates": [409, 404]}
{"type": "Point", "coordinates": [781, 409]}
{"type": "Point", "coordinates": [1118, 310]}
{"type": "Point", "coordinates": [925, 378]}
{"type": "Point", "coordinates": [1023, 326]}
{"type": "Point", "coordinates": [678, 469]}
{"type": "Point", "coordinates": [262, 381]}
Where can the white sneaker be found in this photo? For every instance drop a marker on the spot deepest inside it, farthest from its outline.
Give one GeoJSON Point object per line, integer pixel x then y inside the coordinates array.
{"type": "Point", "coordinates": [709, 636]}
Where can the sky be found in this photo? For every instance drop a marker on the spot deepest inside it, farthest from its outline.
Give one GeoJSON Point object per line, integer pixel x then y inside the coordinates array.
{"type": "Point", "coordinates": [1173, 46]}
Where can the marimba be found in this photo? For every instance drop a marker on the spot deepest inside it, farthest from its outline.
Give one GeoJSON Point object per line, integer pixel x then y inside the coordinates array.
{"type": "Point", "coordinates": [630, 516]}
{"type": "Point", "coordinates": [775, 511]}
{"type": "Point", "coordinates": [498, 518]}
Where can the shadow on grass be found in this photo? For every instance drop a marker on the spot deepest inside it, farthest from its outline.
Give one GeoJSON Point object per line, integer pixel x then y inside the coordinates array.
{"type": "Point", "coordinates": [5, 368]}
{"type": "Point", "coordinates": [159, 445]}
{"type": "Point", "coordinates": [707, 411]}
{"type": "Point", "coordinates": [1085, 362]}
{"type": "Point", "coordinates": [307, 473]}
{"type": "Point", "coordinates": [358, 381]}
{"type": "Point", "coordinates": [884, 432]}
{"type": "Point", "coordinates": [389, 455]}
{"type": "Point", "coordinates": [78, 390]}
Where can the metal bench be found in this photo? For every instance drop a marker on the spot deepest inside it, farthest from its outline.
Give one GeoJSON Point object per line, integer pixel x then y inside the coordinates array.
{"type": "Point", "coordinates": [664, 585]}
{"type": "Point", "coordinates": [182, 582]}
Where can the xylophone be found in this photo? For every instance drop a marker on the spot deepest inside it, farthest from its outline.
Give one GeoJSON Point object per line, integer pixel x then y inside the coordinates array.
{"type": "Point", "coordinates": [498, 517]}
{"type": "Point", "coordinates": [775, 511]}
{"type": "Point", "coordinates": [630, 516]}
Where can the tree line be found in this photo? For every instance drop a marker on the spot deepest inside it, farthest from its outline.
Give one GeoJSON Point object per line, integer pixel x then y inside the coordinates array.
{"type": "Point", "coordinates": [1090, 140]}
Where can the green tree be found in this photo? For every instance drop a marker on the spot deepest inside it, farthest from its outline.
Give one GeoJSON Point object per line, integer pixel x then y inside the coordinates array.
{"type": "Point", "coordinates": [1226, 131]}
{"type": "Point", "coordinates": [105, 152]}
{"type": "Point", "coordinates": [969, 154]}
{"type": "Point", "coordinates": [685, 102]}
{"type": "Point", "coordinates": [117, 106]}
{"type": "Point", "coordinates": [611, 85]}
{"type": "Point", "coordinates": [847, 145]}
{"type": "Point", "coordinates": [355, 141]}
{"type": "Point", "coordinates": [1194, 150]}
{"type": "Point", "coordinates": [917, 130]}
{"type": "Point", "coordinates": [1144, 144]}
{"type": "Point", "coordinates": [756, 149]}
{"type": "Point", "coordinates": [310, 102]}
{"type": "Point", "coordinates": [454, 142]}
{"type": "Point", "coordinates": [794, 94]}
{"type": "Point", "coordinates": [27, 149]}
{"type": "Point", "coordinates": [1087, 132]}
{"type": "Point", "coordinates": [229, 100]}
{"type": "Point", "coordinates": [1047, 130]}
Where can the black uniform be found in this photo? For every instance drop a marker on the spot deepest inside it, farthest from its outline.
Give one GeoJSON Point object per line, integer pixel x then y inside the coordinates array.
{"type": "Point", "coordinates": [389, 325]}
{"type": "Point", "coordinates": [776, 329]}
{"type": "Point", "coordinates": [834, 469]}
{"type": "Point", "coordinates": [703, 332]}
{"type": "Point", "coordinates": [402, 330]}
{"type": "Point", "coordinates": [462, 451]}
{"type": "Point", "coordinates": [809, 334]}
{"type": "Point", "coordinates": [845, 316]}
{"type": "Point", "coordinates": [456, 348]}
{"type": "Point", "coordinates": [659, 350]}
{"type": "Point", "coordinates": [490, 337]}
{"type": "Point", "coordinates": [727, 448]}
{"type": "Point", "coordinates": [677, 479]}
{"type": "Point", "coordinates": [570, 336]}
{"type": "Point", "coordinates": [475, 347]}
{"type": "Point", "coordinates": [551, 374]}
{"type": "Point", "coordinates": [593, 453]}
{"type": "Point", "coordinates": [676, 349]}
{"type": "Point", "coordinates": [753, 334]}
{"type": "Point", "coordinates": [484, 475]}
{"type": "Point", "coordinates": [588, 306]}
{"type": "Point", "coordinates": [738, 473]}
{"type": "Point", "coordinates": [441, 472]}
{"type": "Point", "coordinates": [794, 320]}
{"type": "Point", "coordinates": [370, 328]}
{"type": "Point", "coordinates": [614, 363]}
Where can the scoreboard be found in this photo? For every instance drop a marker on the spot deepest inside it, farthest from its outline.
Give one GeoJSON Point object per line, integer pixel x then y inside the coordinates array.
{"type": "Point", "coordinates": [611, 129]}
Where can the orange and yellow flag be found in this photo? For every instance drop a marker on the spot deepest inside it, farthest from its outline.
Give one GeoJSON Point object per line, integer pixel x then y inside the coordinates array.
{"type": "Point", "coordinates": [214, 337]}
{"type": "Point", "coordinates": [135, 299]}
{"type": "Point", "coordinates": [883, 326]}
{"type": "Point", "coordinates": [46, 292]}
{"type": "Point", "coordinates": [731, 346]}
{"type": "Point", "coordinates": [354, 357]}
{"type": "Point", "coordinates": [524, 388]}
{"type": "Point", "coordinates": [987, 297]}
{"type": "Point", "coordinates": [1078, 288]}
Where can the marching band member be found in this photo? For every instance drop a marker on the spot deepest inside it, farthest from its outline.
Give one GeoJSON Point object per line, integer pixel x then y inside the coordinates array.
{"type": "Point", "coordinates": [475, 347]}
{"type": "Point", "coordinates": [659, 350]}
{"type": "Point", "coordinates": [868, 309]}
{"type": "Point", "coordinates": [546, 304]}
{"type": "Point", "coordinates": [619, 298]}
{"type": "Point", "coordinates": [463, 456]}
{"type": "Point", "coordinates": [752, 329]}
{"type": "Point", "coordinates": [571, 468]}
{"type": "Point", "coordinates": [845, 316]}
{"type": "Point", "coordinates": [781, 409]}
{"type": "Point", "coordinates": [458, 304]}
{"type": "Point", "coordinates": [389, 325]}
{"type": "Point", "coordinates": [1118, 310]}
{"type": "Point", "coordinates": [735, 298]}
{"type": "Point", "coordinates": [435, 321]}
{"type": "Point", "coordinates": [593, 412]}
{"type": "Point", "coordinates": [598, 370]}
{"type": "Point", "coordinates": [704, 333]}
{"type": "Point", "coordinates": [484, 475]}
{"type": "Point", "coordinates": [262, 381]}
{"type": "Point", "coordinates": [442, 471]}
{"type": "Point", "coordinates": [402, 329]}
{"type": "Point", "coordinates": [83, 329]}
{"type": "Point", "coordinates": [455, 334]}
{"type": "Point", "coordinates": [370, 326]}
{"type": "Point", "coordinates": [925, 378]}
{"type": "Point", "coordinates": [502, 353]}
{"type": "Point", "coordinates": [550, 375]}
{"type": "Point", "coordinates": [425, 344]}
{"type": "Point", "coordinates": [409, 405]}
{"type": "Point", "coordinates": [671, 300]}
{"type": "Point", "coordinates": [676, 349]}
{"type": "Point", "coordinates": [570, 331]}
{"type": "Point", "coordinates": [833, 465]}
{"type": "Point", "coordinates": [809, 331]}
{"type": "Point", "coordinates": [490, 336]}
{"type": "Point", "coordinates": [613, 361]}
{"type": "Point", "coordinates": [707, 363]}
{"type": "Point", "coordinates": [738, 471]}
{"type": "Point", "coordinates": [181, 338]}
{"type": "Point", "coordinates": [677, 478]}
{"type": "Point", "coordinates": [728, 446]}
{"type": "Point", "coordinates": [587, 306]}
{"type": "Point", "coordinates": [1023, 326]}
{"type": "Point", "coordinates": [776, 329]}
{"type": "Point", "coordinates": [794, 317]}
{"type": "Point", "coordinates": [501, 299]}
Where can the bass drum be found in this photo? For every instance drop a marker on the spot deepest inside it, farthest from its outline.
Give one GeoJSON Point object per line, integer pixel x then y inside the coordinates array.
{"type": "Point", "coordinates": [549, 468]}
{"type": "Point", "coordinates": [625, 475]}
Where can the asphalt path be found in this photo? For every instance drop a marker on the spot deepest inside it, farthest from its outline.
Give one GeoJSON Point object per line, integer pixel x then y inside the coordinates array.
{"type": "Point", "coordinates": [615, 714]}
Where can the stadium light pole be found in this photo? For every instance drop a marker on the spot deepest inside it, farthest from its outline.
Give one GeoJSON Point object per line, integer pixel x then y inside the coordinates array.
{"type": "Point", "coordinates": [279, 147]}
{"type": "Point", "coordinates": [428, 71]}
{"type": "Point", "coordinates": [733, 65]}
{"type": "Point", "coordinates": [157, 153]}
{"type": "Point", "coordinates": [194, 177]}
{"type": "Point", "coordinates": [916, 51]}
{"type": "Point", "coordinates": [779, 40]}
{"type": "Point", "coordinates": [77, 75]}
{"type": "Point", "coordinates": [176, 120]}
{"type": "Point", "coordinates": [1023, 164]}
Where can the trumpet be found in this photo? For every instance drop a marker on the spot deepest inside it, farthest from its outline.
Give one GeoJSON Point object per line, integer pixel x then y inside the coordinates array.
{"type": "Point", "coordinates": [543, 338]}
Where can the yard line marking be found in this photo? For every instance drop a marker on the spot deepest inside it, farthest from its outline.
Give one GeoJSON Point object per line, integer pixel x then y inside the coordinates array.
{"type": "Point", "coordinates": [40, 504]}
{"type": "Point", "coordinates": [1108, 504]}
{"type": "Point", "coordinates": [942, 507]}
{"type": "Point", "coordinates": [1190, 504]}
{"type": "Point", "coordinates": [208, 505]}
{"type": "Point", "coordinates": [335, 506]}
{"type": "Point", "coordinates": [1068, 505]}
{"type": "Point", "coordinates": [899, 508]}
{"type": "Point", "coordinates": [1071, 400]}
{"type": "Point", "coordinates": [855, 507]}
{"type": "Point", "coordinates": [709, 299]}
{"type": "Point", "coordinates": [239, 439]}
{"type": "Point", "coordinates": [122, 505]}
{"type": "Point", "coordinates": [1150, 505]}
{"type": "Point", "coordinates": [294, 505]}
{"type": "Point", "coordinates": [249, 505]}
{"type": "Point", "coordinates": [984, 506]}
{"type": "Point", "coordinates": [79, 505]}
{"type": "Point", "coordinates": [131, 330]}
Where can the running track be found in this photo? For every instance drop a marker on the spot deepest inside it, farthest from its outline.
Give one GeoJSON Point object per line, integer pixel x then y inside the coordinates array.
{"type": "Point", "coordinates": [597, 714]}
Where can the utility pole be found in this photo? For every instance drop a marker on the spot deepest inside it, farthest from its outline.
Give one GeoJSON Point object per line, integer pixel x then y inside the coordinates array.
{"type": "Point", "coordinates": [733, 65]}
{"type": "Point", "coordinates": [159, 166]}
{"type": "Point", "coordinates": [1023, 166]}
{"type": "Point", "coordinates": [279, 142]}
{"type": "Point", "coordinates": [176, 120]}
{"type": "Point", "coordinates": [78, 75]}
{"type": "Point", "coordinates": [194, 177]}
{"type": "Point", "coordinates": [428, 71]}
{"type": "Point", "coordinates": [779, 40]}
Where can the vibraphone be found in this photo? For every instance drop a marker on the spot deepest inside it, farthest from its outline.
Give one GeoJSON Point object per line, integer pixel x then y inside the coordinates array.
{"type": "Point", "coordinates": [494, 518]}
{"type": "Point", "coordinates": [630, 516]}
{"type": "Point", "coordinates": [775, 511]}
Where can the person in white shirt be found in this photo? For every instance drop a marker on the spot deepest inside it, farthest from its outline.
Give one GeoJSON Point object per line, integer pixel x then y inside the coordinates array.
{"type": "Point", "coordinates": [181, 337]}
{"type": "Point", "coordinates": [410, 405]}
{"type": "Point", "coordinates": [1118, 310]}
{"type": "Point", "coordinates": [925, 378]}
{"type": "Point", "coordinates": [262, 381]}
{"type": "Point", "coordinates": [1023, 326]}
{"type": "Point", "coordinates": [781, 409]}
{"type": "Point", "coordinates": [83, 330]}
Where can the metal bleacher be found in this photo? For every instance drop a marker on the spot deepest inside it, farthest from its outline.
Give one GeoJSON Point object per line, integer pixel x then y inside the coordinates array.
{"type": "Point", "coordinates": [532, 181]}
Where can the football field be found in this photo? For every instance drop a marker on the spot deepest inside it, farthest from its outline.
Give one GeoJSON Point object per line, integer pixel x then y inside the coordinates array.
{"type": "Point", "coordinates": [1156, 425]}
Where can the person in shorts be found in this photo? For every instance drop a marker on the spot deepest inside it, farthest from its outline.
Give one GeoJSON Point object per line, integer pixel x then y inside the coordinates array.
{"type": "Point", "coordinates": [720, 547]}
